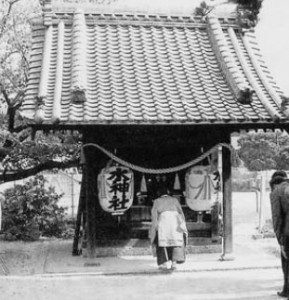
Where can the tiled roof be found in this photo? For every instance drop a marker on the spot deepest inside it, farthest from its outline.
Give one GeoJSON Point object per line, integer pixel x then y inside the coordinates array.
{"type": "Point", "coordinates": [140, 69]}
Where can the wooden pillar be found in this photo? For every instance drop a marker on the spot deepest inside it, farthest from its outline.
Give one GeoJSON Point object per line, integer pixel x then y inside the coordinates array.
{"type": "Point", "coordinates": [227, 204]}
{"type": "Point", "coordinates": [79, 217]}
{"type": "Point", "coordinates": [90, 200]}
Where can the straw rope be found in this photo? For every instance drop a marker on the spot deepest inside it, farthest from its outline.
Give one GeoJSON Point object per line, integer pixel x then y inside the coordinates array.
{"type": "Point", "coordinates": [164, 170]}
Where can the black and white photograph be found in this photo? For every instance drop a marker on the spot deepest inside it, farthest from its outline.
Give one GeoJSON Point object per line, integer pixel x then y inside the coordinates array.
{"type": "Point", "coordinates": [144, 149]}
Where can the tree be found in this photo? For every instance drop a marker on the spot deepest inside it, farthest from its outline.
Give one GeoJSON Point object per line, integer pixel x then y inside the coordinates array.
{"type": "Point", "coordinates": [247, 11]}
{"type": "Point", "coordinates": [264, 151]}
{"type": "Point", "coordinates": [32, 209]}
{"type": "Point", "coordinates": [22, 152]}
{"type": "Point", "coordinates": [15, 37]}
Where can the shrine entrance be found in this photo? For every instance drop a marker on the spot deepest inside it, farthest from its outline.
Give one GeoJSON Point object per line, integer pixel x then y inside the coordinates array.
{"type": "Point", "coordinates": [126, 178]}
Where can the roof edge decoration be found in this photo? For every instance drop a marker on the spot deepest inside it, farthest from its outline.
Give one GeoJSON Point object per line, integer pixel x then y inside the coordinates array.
{"type": "Point", "coordinates": [254, 84]}
{"type": "Point", "coordinates": [47, 13]}
{"type": "Point", "coordinates": [277, 99]}
{"type": "Point", "coordinates": [242, 91]}
{"type": "Point", "coordinates": [79, 47]}
{"type": "Point", "coordinates": [42, 92]}
{"type": "Point", "coordinates": [56, 111]}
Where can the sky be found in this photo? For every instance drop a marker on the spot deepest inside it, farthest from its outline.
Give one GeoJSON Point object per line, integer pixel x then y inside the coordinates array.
{"type": "Point", "coordinates": [272, 33]}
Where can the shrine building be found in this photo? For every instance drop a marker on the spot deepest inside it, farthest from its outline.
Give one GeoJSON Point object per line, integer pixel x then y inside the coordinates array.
{"type": "Point", "coordinates": [156, 96]}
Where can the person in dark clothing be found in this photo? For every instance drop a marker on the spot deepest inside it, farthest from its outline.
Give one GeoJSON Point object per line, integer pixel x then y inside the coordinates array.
{"type": "Point", "coordinates": [279, 198]}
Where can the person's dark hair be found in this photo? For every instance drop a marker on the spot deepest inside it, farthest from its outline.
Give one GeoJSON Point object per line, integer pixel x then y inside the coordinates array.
{"type": "Point", "coordinates": [279, 173]}
{"type": "Point", "coordinates": [277, 178]}
{"type": "Point", "coordinates": [162, 190]}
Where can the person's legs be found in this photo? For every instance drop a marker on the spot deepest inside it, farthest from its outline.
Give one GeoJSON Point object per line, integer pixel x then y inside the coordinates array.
{"type": "Point", "coordinates": [170, 253]}
{"type": "Point", "coordinates": [284, 264]}
{"type": "Point", "coordinates": [162, 255]}
{"type": "Point", "coordinates": [178, 256]}
{"type": "Point", "coordinates": [173, 254]}
{"type": "Point", "coordinates": [285, 269]}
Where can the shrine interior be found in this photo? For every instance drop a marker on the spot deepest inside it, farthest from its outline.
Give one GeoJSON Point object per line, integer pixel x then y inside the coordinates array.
{"type": "Point", "coordinates": [155, 149]}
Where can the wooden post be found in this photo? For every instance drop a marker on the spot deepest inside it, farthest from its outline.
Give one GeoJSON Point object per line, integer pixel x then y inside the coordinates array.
{"type": "Point", "coordinates": [262, 202]}
{"type": "Point", "coordinates": [227, 206]}
{"type": "Point", "coordinates": [81, 206]}
{"type": "Point", "coordinates": [217, 209]}
{"type": "Point", "coordinates": [72, 195]}
{"type": "Point", "coordinates": [90, 203]}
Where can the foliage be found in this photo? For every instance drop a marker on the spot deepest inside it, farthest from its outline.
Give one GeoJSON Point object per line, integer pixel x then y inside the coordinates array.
{"type": "Point", "coordinates": [24, 153]}
{"type": "Point", "coordinates": [45, 152]}
{"type": "Point", "coordinates": [32, 209]}
{"type": "Point", "coordinates": [251, 4]}
{"type": "Point", "coordinates": [264, 151]}
{"type": "Point", "coordinates": [68, 233]}
{"type": "Point", "coordinates": [15, 38]}
{"type": "Point", "coordinates": [203, 9]}
{"type": "Point", "coordinates": [248, 12]}
{"type": "Point", "coordinates": [244, 180]}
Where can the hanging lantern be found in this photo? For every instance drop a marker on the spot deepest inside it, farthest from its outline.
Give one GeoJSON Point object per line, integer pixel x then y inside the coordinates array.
{"type": "Point", "coordinates": [115, 189]}
{"type": "Point", "coordinates": [202, 188]}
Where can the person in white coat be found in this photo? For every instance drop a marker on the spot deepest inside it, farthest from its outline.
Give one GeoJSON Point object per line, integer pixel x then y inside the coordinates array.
{"type": "Point", "coordinates": [168, 231]}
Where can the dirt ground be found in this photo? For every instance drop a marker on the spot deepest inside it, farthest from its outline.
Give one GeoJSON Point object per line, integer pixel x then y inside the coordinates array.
{"type": "Point", "coordinates": [28, 258]}
{"type": "Point", "coordinates": [229, 285]}
{"type": "Point", "coordinates": [23, 258]}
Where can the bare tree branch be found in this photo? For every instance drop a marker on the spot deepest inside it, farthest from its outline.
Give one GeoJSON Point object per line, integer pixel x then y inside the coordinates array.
{"type": "Point", "coordinates": [19, 44]}
{"type": "Point", "coordinates": [5, 18]}
{"type": "Point", "coordinates": [8, 77]}
{"type": "Point", "coordinates": [5, 95]}
{"type": "Point", "coordinates": [7, 55]}
{"type": "Point", "coordinates": [7, 176]}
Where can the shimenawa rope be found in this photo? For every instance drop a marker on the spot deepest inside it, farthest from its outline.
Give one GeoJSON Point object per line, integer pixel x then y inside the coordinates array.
{"type": "Point", "coordinates": [164, 170]}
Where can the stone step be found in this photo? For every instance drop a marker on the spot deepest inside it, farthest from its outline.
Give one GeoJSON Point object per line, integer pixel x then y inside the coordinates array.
{"type": "Point", "coordinates": [134, 247]}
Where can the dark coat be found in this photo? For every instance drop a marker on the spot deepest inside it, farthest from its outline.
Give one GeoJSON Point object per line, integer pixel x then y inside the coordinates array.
{"type": "Point", "coordinates": [280, 210]}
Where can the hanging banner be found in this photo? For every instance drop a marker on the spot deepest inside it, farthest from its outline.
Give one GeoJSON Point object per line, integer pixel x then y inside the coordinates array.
{"type": "Point", "coordinates": [116, 189]}
{"type": "Point", "coordinates": [202, 188]}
